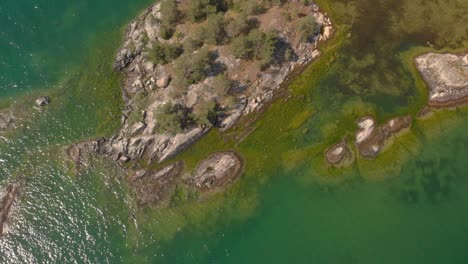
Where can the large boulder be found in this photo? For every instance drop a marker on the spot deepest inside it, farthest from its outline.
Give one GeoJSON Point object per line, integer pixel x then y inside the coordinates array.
{"type": "Point", "coordinates": [338, 153]}
{"type": "Point", "coordinates": [153, 187]}
{"type": "Point", "coordinates": [218, 170]}
{"type": "Point", "coordinates": [6, 120]}
{"type": "Point", "coordinates": [42, 101]}
{"type": "Point", "coordinates": [446, 76]}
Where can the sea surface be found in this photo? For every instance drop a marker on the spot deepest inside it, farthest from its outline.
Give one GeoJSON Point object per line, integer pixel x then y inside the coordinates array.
{"type": "Point", "coordinates": [408, 206]}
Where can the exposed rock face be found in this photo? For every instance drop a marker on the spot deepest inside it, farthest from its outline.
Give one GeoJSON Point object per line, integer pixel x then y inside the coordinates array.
{"type": "Point", "coordinates": [163, 82]}
{"type": "Point", "coordinates": [366, 128]}
{"type": "Point", "coordinates": [153, 187]}
{"type": "Point", "coordinates": [42, 101]}
{"type": "Point", "coordinates": [338, 154]}
{"type": "Point", "coordinates": [78, 153]}
{"type": "Point", "coordinates": [370, 139]}
{"type": "Point", "coordinates": [447, 77]}
{"type": "Point", "coordinates": [5, 205]}
{"type": "Point", "coordinates": [6, 120]}
{"type": "Point", "coordinates": [218, 170]}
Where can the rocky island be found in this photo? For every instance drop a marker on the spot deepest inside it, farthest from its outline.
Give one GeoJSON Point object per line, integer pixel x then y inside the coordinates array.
{"type": "Point", "coordinates": [189, 66]}
{"type": "Point", "coordinates": [446, 76]}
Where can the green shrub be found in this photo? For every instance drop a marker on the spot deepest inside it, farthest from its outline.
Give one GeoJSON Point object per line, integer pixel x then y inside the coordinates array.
{"type": "Point", "coordinates": [308, 28]}
{"type": "Point", "coordinates": [164, 53]}
{"type": "Point", "coordinates": [214, 31]}
{"type": "Point", "coordinates": [140, 102]}
{"type": "Point", "coordinates": [171, 118]}
{"type": "Point", "coordinates": [265, 49]}
{"type": "Point", "coordinates": [239, 26]}
{"type": "Point", "coordinates": [192, 67]}
{"type": "Point", "coordinates": [166, 31]}
{"type": "Point", "coordinates": [200, 9]}
{"type": "Point", "coordinates": [252, 7]}
{"type": "Point", "coordinates": [190, 45]}
{"type": "Point", "coordinates": [169, 12]}
{"type": "Point", "coordinates": [206, 113]}
{"type": "Point", "coordinates": [221, 85]}
{"type": "Point", "coordinates": [170, 16]}
{"type": "Point", "coordinates": [256, 45]}
{"type": "Point", "coordinates": [198, 35]}
{"type": "Point", "coordinates": [241, 48]}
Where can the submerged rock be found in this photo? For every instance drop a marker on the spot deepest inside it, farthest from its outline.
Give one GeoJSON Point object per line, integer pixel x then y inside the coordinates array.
{"type": "Point", "coordinates": [446, 76]}
{"type": "Point", "coordinates": [370, 139]}
{"type": "Point", "coordinates": [218, 170]}
{"type": "Point", "coordinates": [6, 120]}
{"type": "Point", "coordinates": [338, 154]}
{"type": "Point", "coordinates": [42, 101]}
{"type": "Point", "coordinates": [366, 128]}
{"type": "Point", "coordinates": [5, 205]}
{"type": "Point", "coordinates": [153, 187]}
{"type": "Point", "coordinates": [163, 82]}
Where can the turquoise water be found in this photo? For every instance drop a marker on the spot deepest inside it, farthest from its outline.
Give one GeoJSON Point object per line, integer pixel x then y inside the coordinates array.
{"type": "Point", "coordinates": [65, 48]}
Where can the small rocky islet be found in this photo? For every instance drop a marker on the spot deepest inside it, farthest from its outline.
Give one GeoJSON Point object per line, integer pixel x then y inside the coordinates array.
{"type": "Point", "coordinates": [446, 76]}
{"type": "Point", "coordinates": [8, 199]}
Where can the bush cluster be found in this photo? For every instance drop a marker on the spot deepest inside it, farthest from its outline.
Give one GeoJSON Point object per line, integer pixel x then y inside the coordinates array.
{"type": "Point", "coordinates": [164, 53]}
{"type": "Point", "coordinates": [169, 18]}
{"type": "Point", "coordinates": [191, 68]}
{"type": "Point", "coordinates": [256, 45]}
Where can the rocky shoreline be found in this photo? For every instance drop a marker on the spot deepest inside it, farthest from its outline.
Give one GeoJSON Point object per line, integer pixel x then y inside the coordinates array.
{"type": "Point", "coordinates": [140, 141]}
{"type": "Point", "coordinates": [446, 76]}
{"type": "Point", "coordinates": [7, 201]}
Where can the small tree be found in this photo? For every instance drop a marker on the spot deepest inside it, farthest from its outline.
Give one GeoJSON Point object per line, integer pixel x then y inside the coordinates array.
{"type": "Point", "coordinates": [164, 53]}
{"type": "Point", "coordinates": [192, 68]}
{"type": "Point", "coordinates": [221, 85]}
{"type": "Point", "coordinates": [170, 16]}
{"type": "Point", "coordinates": [200, 9]}
{"type": "Point", "coordinates": [308, 28]}
{"type": "Point", "coordinates": [239, 26]}
{"type": "Point", "coordinates": [241, 48]}
{"type": "Point", "coordinates": [190, 45]}
{"type": "Point", "coordinates": [171, 118]}
{"type": "Point", "coordinates": [266, 50]}
{"type": "Point", "coordinates": [198, 34]}
{"type": "Point", "coordinates": [257, 45]}
{"type": "Point", "coordinates": [252, 7]}
{"type": "Point", "coordinates": [169, 12]}
{"type": "Point", "coordinates": [205, 113]}
{"type": "Point", "coordinates": [214, 31]}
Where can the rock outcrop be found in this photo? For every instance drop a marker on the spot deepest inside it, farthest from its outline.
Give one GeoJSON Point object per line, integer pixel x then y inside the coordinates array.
{"type": "Point", "coordinates": [446, 76]}
{"type": "Point", "coordinates": [153, 187]}
{"type": "Point", "coordinates": [42, 101]}
{"type": "Point", "coordinates": [5, 205]}
{"type": "Point", "coordinates": [370, 139]}
{"type": "Point", "coordinates": [218, 170]}
{"type": "Point", "coordinates": [339, 154]}
{"type": "Point", "coordinates": [6, 120]}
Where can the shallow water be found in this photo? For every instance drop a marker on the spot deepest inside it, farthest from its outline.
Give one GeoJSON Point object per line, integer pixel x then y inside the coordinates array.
{"type": "Point", "coordinates": [286, 207]}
